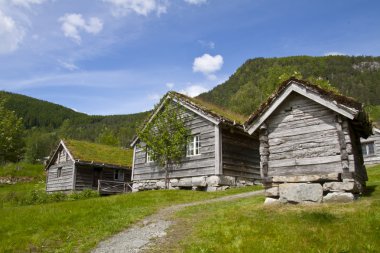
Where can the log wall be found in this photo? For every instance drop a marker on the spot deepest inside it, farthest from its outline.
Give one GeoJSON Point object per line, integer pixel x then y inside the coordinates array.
{"type": "Point", "coordinates": [303, 139]}
{"type": "Point", "coordinates": [200, 165]}
{"type": "Point", "coordinates": [240, 155]}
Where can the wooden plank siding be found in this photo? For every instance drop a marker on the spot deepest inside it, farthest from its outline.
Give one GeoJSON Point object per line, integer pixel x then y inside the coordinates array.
{"type": "Point", "coordinates": [373, 159]}
{"type": "Point", "coordinates": [240, 155]}
{"type": "Point", "coordinates": [303, 139]}
{"type": "Point", "coordinates": [65, 181]}
{"type": "Point", "coordinates": [199, 165]}
{"type": "Point", "coordinates": [85, 176]}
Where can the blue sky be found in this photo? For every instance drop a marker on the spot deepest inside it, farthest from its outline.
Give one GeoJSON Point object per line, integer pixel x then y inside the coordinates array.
{"type": "Point", "coordinates": [120, 56]}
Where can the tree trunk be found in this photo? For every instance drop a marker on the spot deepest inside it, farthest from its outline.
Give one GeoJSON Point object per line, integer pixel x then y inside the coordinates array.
{"type": "Point", "coordinates": [166, 176]}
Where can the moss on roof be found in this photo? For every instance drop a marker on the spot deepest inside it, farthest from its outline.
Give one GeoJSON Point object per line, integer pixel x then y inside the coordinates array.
{"type": "Point", "coordinates": [329, 94]}
{"type": "Point", "coordinates": [99, 153]}
{"type": "Point", "coordinates": [212, 109]}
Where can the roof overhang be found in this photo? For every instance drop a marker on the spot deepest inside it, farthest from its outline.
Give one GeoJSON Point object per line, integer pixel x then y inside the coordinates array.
{"type": "Point", "coordinates": [295, 87]}
{"type": "Point", "coordinates": [104, 165]}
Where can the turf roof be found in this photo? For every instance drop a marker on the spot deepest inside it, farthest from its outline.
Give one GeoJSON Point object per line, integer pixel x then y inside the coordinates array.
{"type": "Point", "coordinates": [99, 153]}
{"type": "Point", "coordinates": [327, 94]}
{"type": "Point", "coordinates": [212, 109]}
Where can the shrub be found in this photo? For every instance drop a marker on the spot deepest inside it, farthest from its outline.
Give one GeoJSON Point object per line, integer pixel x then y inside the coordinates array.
{"type": "Point", "coordinates": [85, 194]}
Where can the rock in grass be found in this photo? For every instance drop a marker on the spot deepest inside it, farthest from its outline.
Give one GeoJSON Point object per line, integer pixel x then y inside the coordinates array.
{"type": "Point", "coordinates": [271, 201]}
{"type": "Point", "coordinates": [338, 197]}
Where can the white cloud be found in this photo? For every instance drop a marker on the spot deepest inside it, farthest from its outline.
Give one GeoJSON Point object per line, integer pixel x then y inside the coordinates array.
{"type": "Point", "coordinates": [68, 65]}
{"type": "Point", "coordinates": [140, 7]}
{"type": "Point", "coordinates": [207, 44]}
{"type": "Point", "coordinates": [27, 3]}
{"type": "Point", "coordinates": [72, 23]}
{"type": "Point", "coordinates": [193, 90]}
{"type": "Point", "coordinates": [11, 34]}
{"type": "Point", "coordinates": [334, 53]}
{"type": "Point", "coordinates": [208, 65]}
{"type": "Point", "coordinates": [196, 2]}
{"type": "Point", "coordinates": [170, 85]}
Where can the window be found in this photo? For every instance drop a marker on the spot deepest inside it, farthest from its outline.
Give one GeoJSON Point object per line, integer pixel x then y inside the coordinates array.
{"type": "Point", "coordinates": [59, 172]}
{"type": "Point", "coordinates": [149, 158]}
{"type": "Point", "coordinates": [119, 175]}
{"type": "Point", "coordinates": [368, 148]}
{"type": "Point", "coordinates": [193, 146]}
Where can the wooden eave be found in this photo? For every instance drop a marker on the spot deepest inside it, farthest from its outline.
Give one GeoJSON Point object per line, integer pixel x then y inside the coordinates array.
{"type": "Point", "coordinates": [61, 144]}
{"type": "Point", "coordinates": [345, 106]}
{"type": "Point", "coordinates": [99, 164]}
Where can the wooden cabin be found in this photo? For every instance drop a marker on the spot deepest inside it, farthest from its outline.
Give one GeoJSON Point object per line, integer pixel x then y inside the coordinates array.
{"type": "Point", "coordinates": [310, 148]}
{"type": "Point", "coordinates": [79, 165]}
{"type": "Point", "coordinates": [371, 148]}
{"type": "Point", "coordinates": [221, 155]}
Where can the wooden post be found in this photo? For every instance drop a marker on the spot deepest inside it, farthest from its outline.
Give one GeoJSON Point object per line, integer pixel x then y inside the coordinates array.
{"type": "Point", "coordinates": [99, 186]}
{"type": "Point", "coordinates": [264, 151]}
{"type": "Point", "coordinates": [342, 145]}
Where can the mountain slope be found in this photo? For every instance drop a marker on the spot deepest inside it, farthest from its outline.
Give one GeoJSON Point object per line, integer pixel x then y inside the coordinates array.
{"type": "Point", "coordinates": [256, 79]}
{"type": "Point", "coordinates": [46, 117]}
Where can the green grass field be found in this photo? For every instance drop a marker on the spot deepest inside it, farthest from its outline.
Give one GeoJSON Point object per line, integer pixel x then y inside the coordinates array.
{"type": "Point", "coordinates": [26, 170]}
{"type": "Point", "coordinates": [79, 225]}
{"type": "Point", "coordinates": [248, 226]}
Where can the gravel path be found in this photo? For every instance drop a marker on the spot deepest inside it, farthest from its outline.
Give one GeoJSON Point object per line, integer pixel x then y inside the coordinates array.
{"type": "Point", "coordinates": [137, 238]}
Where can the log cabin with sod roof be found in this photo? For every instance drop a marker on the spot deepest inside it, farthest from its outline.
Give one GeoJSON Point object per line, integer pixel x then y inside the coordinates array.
{"type": "Point", "coordinates": [79, 165]}
{"type": "Point", "coordinates": [371, 148]}
{"type": "Point", "coordinates": [220, 154]}
{"type": "Point", "coordinates": [310, 148]}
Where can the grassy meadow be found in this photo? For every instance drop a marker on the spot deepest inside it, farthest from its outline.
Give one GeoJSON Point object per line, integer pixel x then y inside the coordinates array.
{"type": "Point", "coordinates": [248, 226]}
{"type": "Point", "coordinates": [79, 225]}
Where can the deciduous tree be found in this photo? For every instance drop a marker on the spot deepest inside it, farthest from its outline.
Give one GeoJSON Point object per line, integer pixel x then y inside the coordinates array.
{"type": "Point", "coordinates": [166, 137]}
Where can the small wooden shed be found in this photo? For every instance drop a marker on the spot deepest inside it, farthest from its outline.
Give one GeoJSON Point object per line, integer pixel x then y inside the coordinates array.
{"type": "Point", "coordinates": [371, 148]}
{"type": "Point", "coordinates": [310, 147]}
{"type": "Point", "coordinates": [78, 165]}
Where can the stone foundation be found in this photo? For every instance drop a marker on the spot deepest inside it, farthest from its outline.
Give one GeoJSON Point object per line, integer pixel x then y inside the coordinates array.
{"type": "Point", "coordinates": [312, 189]}
{"type": "Point", "coordinates": [202, 183]}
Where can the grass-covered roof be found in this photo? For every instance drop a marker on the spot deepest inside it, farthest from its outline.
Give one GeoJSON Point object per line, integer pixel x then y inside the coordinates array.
{"type": "Point", "coordinates": [99, 153]}
{"type": "Point", "coordinates": [212, 109]}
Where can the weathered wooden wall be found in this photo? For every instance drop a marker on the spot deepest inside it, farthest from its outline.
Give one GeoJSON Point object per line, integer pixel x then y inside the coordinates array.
{"type": "Point", "coordinates": [240, 155]}
{"type": "Point", "coordinates": [303, 139]}
{"type": "Point", "coordinates": [373, 159]}
{"type": "Point", "coordinates": [65, 181]}
{"type": "Point", "coordinates": [85, 176]}
{"type": "Point", "coordinates": [203, 164]}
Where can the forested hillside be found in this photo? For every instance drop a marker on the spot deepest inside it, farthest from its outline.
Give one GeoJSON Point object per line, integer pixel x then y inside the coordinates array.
{"type": "Point", "coordinates": [256, 79]}
{"type": "Point", "coordinates": [45, 123]}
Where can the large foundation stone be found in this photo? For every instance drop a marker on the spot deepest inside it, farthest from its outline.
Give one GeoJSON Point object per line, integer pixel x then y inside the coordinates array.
{"type": "Point", "coordinates": [301, 192]}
